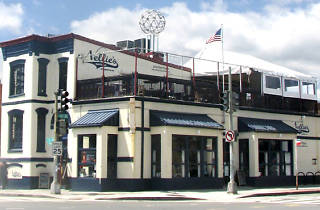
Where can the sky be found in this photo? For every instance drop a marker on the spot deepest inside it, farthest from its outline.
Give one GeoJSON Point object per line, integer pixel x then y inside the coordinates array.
{"type": "Point", "coordinates": [285, 32]}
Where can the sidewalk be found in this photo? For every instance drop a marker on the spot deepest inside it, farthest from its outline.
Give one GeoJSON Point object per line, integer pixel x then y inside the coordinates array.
{"type": "Point", "coordinates": [195, 195]}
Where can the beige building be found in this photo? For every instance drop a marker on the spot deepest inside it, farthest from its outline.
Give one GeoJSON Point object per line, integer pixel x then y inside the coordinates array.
{"type": "Point", "coordinates": [146, 120]}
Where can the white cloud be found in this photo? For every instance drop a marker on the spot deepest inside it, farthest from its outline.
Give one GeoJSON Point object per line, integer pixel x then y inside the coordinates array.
{"type": "Point", "coordinates": [286, 36]}
{"type": "Point", "coordinates": [11, 17]}
{"type": "Point", "coordinates": [110, 26]}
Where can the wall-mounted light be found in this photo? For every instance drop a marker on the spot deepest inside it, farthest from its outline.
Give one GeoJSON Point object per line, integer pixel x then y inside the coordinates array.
{"type": "Point", "coordinates": [314, 161]}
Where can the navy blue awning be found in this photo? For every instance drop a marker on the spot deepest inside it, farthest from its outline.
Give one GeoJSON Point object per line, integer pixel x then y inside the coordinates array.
{"type": "Point", "coordinates": [162, 118]}
{"type": "Point", "coordinates": [98, 118]}
{"type": "Point", "coordinates": [262, 125]}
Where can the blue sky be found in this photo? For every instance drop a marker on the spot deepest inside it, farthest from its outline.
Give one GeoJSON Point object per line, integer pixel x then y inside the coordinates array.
{"type": "Point", "coordinates": [285, 32]}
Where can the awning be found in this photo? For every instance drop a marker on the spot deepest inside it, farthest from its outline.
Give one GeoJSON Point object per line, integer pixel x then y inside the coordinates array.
{"type": "Point", "coordinates": [163, 118]}
{"type": "Point", "coordinates": [98, 118]}
{"type": "Point", "coordinates": [263, 125]}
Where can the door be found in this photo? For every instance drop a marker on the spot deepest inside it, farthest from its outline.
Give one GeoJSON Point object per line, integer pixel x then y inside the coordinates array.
{"type": "Point", "coordinates": [112, 156]}
{"type": "Point", "coordinates": [244, 157]}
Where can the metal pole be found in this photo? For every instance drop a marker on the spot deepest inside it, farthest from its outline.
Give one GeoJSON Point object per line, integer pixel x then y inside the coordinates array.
{"type": "Point", "coordinates": [232, 187]}
{"type": "Point", "coordinates": [135, 72]}
{"type": "Point", "coordinates": [167, 76]}
{"type": "Point", "coordinates": [102, 82]}
{"type": "Point", "coordinates": [296, 159]}
{"type": "Point", "coordinates": [55, 186]}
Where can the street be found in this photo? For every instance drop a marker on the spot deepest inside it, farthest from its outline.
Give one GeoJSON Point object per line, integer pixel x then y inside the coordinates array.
{"type": "Point", "coordinates": [276, 202]}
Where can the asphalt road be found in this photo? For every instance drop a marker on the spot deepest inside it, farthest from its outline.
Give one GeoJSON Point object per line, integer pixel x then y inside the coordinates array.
{"type": "Point", "coordinates": [138, 205]}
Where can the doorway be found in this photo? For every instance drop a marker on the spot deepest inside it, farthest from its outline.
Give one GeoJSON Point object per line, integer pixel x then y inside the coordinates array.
{"type": "Point", "coordinates": [244, 157]}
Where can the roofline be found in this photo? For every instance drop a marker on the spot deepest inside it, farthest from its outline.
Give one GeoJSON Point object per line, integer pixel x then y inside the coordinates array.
{"type": "Point", "coordinates": [82, 38]}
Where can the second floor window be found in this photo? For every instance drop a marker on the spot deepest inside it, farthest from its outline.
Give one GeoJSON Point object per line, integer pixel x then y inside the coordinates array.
{"type": "Point", "coordinates": [63, 72]}
{"type": "Point", "coordinates": [16, 77]}
{"type": "Point", "coordinates": [42, 76]}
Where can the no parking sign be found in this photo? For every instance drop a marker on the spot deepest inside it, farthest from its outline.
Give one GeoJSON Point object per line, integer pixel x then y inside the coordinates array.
{"type": "Point", "coordinates": [230, 136]}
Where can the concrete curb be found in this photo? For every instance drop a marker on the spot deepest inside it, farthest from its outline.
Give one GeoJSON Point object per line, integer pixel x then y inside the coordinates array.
{"type": "Point", "coordinates": [291, 192]}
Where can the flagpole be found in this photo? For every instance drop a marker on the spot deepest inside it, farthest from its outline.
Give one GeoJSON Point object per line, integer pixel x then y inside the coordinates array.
{"type": "Point", "coordinates": [222, 57]}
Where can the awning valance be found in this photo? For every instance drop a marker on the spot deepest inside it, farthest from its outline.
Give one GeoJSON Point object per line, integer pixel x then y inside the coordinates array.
{"type": "Point", "coordinates": [163, 118]}
{"type": "Point", "coordinates": [263, 125]}
{"type": "Point", "coordinates": [98, 118]}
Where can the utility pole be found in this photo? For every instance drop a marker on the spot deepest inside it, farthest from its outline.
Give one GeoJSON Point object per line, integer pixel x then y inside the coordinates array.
{"type": "Point", "coordinates": [232, 186]}
{"type": "Point", "coordinates": [55, 185]}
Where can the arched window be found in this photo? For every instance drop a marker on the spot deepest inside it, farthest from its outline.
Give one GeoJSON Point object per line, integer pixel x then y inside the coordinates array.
{"type": "Point", "coordinates": [15, 130]}
{"type": "Point", "coordinates": [63, 72]}
{"type": "Point", "coordinates": [42, 76]}
{"type": "Point", "coordinates": [41, 129]}
{"type": "Point", "coordinates": [16, 78]}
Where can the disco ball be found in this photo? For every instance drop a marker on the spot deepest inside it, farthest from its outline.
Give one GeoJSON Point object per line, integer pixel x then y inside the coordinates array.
{"type": "Point", "coordinates": [152, 22]}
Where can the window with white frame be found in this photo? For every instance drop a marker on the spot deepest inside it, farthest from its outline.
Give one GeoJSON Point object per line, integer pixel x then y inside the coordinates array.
{"type": "Point", "coordinates": [273, 82]}
{"type": "Point", "coordinates": [291, 88]}
{"type": "Point", "coordinates": [308, 88]}
{"type": "Point", "coordinates": [272, 85]}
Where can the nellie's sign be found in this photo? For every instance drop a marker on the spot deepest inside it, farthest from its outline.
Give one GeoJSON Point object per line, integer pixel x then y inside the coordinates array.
{"type": "Point", "coordinates": [101, 59]}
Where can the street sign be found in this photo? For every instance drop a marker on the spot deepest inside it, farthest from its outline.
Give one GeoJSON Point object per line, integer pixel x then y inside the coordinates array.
{"type": "Point", "coordinates": [63, 116]}
{"type": "Point", "coordinates": [57, 148]}
{"type": "Point", "coordinates": [230, 137]}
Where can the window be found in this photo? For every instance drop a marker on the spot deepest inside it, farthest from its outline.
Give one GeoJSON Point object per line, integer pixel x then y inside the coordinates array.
{"type": "Point", "coordinates": [291, 86]}
{"type": "Point", "coordinates": [272, 82]}
{"type": "Point", "coordinates": [226, 158]}
{"type": "Point", "coordinates": [156, 156]}
{"type": "Point", "coordinates": [308, 88]}
{"type": "Point", "coordinates": [63, 73]}
{"type": "Point", "coordinates": [41, 129]}
{"type": "Point", "coordinates": [112, 156]}
{"type": "Point", "coordinates": [209, 157]}
{"type": "Point", "coordinates": [87, 155]}
{"type": "Point", "coordinates": [273, 85]}
{"type": "Point", "coordinates": [15, 130]}
{"type": "Point", "coordinates": [42, 76]}
{"type": "Point", "coordinates": [193, 156]}
{"type": "Point", "coordinates": [178, 156]}
{"type": "Point", "coordinates": [16, 78]}
{"type": "Point", "coordinates": [275, 157]}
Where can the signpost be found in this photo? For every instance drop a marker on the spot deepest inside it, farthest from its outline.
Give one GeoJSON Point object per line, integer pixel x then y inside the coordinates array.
{"type": "Point", "coordinates": [232, 185]}
{"type": "Point", "coordinates": [60, 129]}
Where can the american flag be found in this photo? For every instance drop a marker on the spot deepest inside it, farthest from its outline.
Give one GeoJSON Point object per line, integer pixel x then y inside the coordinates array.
{"type": "Point", "coordinates": [215, 38]}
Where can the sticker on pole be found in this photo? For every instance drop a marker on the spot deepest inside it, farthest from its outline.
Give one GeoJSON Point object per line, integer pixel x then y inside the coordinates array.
{"type": "Point", "coordinates": [230, 137]}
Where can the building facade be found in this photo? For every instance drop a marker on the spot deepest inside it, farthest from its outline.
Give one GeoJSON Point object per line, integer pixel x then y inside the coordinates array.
{"type": "Point", "coordinates": [145, 121]}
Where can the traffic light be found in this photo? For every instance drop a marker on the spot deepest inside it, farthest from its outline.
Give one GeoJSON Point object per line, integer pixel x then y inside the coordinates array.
{"type": "Point", "coordinates": [235, 99]}
{"type": "Point", "coordinates": [224, 98]}
{"type": "Point", "coordinates": [64, 101]}
{"type": "Point", "coordinates": [62, 127]}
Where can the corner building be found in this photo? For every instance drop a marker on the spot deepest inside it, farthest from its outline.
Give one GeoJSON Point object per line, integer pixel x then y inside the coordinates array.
{"type": "Point", "coordinates": [141, 121]}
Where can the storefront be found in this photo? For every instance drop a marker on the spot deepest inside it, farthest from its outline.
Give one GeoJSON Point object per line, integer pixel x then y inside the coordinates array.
{"type": "Point", "coordinates": [146, 121]}
{"type": "Point", "coordinates": [267, 151]}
